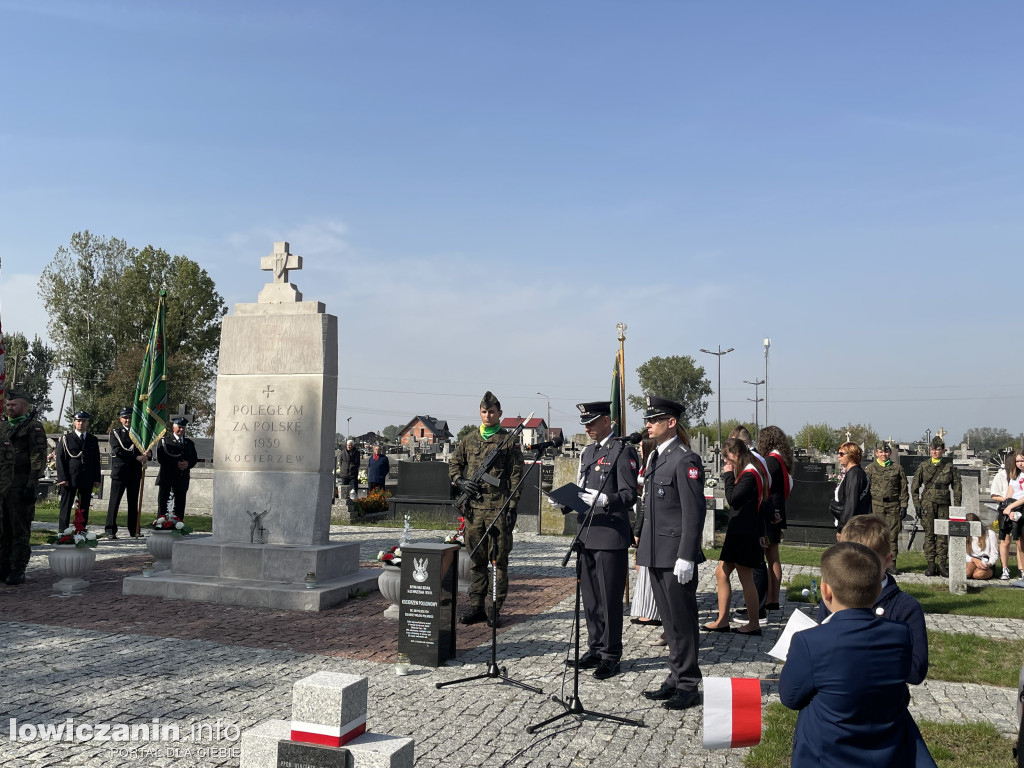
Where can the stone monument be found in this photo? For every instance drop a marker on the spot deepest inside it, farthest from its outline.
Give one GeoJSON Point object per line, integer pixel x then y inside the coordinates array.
{"type": "Point", "coordinates": [273, 482]}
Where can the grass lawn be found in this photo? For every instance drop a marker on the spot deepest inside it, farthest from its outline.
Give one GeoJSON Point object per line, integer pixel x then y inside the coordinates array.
{"type": "Point", "coordinates": [952, 745]}
{"type": "Point", "coordinates": [972, 659]}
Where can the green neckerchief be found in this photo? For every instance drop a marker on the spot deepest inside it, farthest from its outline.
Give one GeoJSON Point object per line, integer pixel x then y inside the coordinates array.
{"type": "Point", "coordinates": [16, 420]}
{"type": "Point", "coordinates": [488, 432]}
{"type": "Point", "coordinates": [885, 463]}
{"type": "Point", "coordinates": [936, 461]}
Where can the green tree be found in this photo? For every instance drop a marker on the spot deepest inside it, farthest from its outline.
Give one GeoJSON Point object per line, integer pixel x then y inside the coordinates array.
{"type": "Point", "coordinates": [465, 431]}
{"type": "Point", "coordinates": [820, 437]}
{"type": "Point", "coordinates": [29, 367]}
{"type": "Point", "coordinates": [677, 378]}
{"type": "Point", "coordinates": [861, 434]}
{"type": "Point", "coordinates": [390, 432]}
{"type": "Point", "coordinates": [986, 440]}
{"type": "Point", "coordinates": [101, 294]}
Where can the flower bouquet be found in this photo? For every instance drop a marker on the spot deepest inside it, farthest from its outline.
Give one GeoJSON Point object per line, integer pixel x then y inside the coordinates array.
{"type": "Point", "coordinates": [373, 502]}
{"type": "Point", "coordinates": [459, 536]}
{"type": "Point", "coordinates": [391, 556]}
{"type": "Point", "coordinates": [75, 535]}
{"type": "Point", "coordinates": [172, 524]}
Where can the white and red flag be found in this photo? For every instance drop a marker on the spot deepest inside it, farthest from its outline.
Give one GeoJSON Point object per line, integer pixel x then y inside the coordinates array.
{"type": "Point", "coordinates": [732, 712]}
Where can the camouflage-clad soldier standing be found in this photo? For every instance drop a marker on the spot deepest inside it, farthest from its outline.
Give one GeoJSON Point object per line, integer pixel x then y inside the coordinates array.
{"type": "Point", "coordinates": [935, 478]}
{"type": "Point", "coordinates": [27, 440]}
{"type": "Point", "coordinates": [889, 495]}
{"type": "Point", "coordinates": [485, 502]}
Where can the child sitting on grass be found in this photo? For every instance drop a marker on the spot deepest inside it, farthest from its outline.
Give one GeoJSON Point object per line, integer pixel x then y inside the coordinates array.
{"type": "Point", "coordinates": [848, 677]}
{"type": "Point", "coordinates": [892, 602]}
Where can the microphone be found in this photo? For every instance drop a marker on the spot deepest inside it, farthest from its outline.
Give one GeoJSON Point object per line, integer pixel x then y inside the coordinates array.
{"type": "Point", "coordinates": [556, 443]}
{"type": "Point", "coordinates": [634, 438]}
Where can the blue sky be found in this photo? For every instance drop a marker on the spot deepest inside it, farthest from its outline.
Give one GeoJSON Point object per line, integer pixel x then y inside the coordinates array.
{"type": "Point", "coordinates": [481, 191]}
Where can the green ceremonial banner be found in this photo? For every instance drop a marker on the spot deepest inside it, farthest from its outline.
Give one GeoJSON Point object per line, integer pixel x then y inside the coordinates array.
{"type": "Point", "coordinates": [149, 411]}
{"type": "Point", "coordinates": [615, 398]}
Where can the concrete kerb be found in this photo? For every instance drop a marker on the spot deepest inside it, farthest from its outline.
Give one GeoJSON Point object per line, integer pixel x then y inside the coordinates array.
{"type": "Point", "coordinates": [54, 673]}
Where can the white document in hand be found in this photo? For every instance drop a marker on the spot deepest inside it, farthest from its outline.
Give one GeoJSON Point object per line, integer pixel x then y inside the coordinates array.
{"type": "Point", "coordinates": [798, 622]}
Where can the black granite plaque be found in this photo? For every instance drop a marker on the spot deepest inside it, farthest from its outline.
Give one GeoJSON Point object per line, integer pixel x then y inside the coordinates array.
{"type": "Point", "coordinates": [299, 754]}
{"type": "Point", "coordinates": [808, 517]}
{"type": "Point", "coordinates": [960, 528]}
{"type": "Point", "coordinates": [426, 605]}
{"type": "Point", "coordinates": [423, 480]}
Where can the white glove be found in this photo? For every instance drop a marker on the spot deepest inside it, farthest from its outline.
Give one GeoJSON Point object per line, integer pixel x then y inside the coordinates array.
{"type": "Point", "coordinates": [589, 497]}
{"type": "Point", "coordinates": [683, 570]}
{"type": "Point", "coordinates": [552, 502]}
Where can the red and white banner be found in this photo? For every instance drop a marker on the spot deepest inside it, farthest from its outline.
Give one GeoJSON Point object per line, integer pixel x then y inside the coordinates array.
{"type": "Point", "coordinates": [328, 735]}
{"type": "Point", "coordinates": [732, 712]}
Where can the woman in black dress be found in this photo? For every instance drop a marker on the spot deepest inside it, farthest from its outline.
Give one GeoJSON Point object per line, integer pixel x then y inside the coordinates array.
{"type": "Point", "coordinates": [746, 487]}
{"type": "Point", "coordinates": [773, 444]}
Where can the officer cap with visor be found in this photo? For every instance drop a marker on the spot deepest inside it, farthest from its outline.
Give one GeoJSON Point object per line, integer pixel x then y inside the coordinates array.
{"type": "Point", "coordinates": [660, 407]}
{"type": "Point", "coordinates": [590, 412]}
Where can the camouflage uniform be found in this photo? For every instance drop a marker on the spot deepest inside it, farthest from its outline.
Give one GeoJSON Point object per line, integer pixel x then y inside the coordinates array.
{"type": "Point", "coordinates": [22, 461]}
{"type": "Point", "coordinates": [889, 498]}
{"type": "Point", "coordinates": [935, 481]}
{"type": "Point", "coordinates": [508, 468]}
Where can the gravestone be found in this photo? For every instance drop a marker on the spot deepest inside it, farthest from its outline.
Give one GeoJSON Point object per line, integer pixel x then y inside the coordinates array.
{"type": "Point", "coordinates": [426, 613]}
{"type": "Point", "coordinates": [958, 532]}
{"type": "Point", "coordinates": [808, 519]}
{"type": "Point", "coordinates": [277, 383]}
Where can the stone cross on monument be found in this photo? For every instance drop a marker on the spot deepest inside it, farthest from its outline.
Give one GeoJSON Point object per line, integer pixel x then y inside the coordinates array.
{"type": "Point", "coordinates": [941, 433]}
{"type": "Point", "coordinates": [958, 529]}
{"type": "Point", "coordinates": [278, 264]}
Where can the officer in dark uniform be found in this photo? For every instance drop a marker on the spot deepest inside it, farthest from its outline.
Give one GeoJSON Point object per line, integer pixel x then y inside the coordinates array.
{"type": "Point", "coordinates": [607, 473]}
{"type": "Point", "coordinates": [126, 463]}
{"type": "Point", "coordinates": [78, 469]}
{"type": "Point", "coordinates": [28, 440]}
{"type": "Point", "coordinates": [674, 510]}
{"type": "Point", "coordinates": [934, 479]}
{"type": "Point", "coordinates": [485, 501]}
{"type": "Point", "coordinates": [176, 455]}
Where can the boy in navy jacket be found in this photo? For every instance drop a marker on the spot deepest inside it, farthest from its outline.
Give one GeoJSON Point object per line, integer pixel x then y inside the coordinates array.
{"type": "Point", "coordinates": [892, 602]}
{"type": "Point", "coordinates": [848, 677]}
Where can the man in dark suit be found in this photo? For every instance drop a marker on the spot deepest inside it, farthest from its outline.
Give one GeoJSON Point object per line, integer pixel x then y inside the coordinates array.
{"type": "Point", "coordinates": [126, 463]}
{"type": "Point", "coordinates": [674, 510]}
{"type": "Point", "coordinates": [78, 469]}
{"type": "Point", "coordinates": [607, 475]}
{"type": "Point", "coordinates": [848, 677]}
{"type": "Point", "coordinates": [176, 455]}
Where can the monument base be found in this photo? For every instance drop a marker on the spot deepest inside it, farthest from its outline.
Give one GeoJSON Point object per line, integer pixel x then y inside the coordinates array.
{"type": "Point", "coordinates": [371, 750]}
{"type": "Point", "coordinates": [258, 575]}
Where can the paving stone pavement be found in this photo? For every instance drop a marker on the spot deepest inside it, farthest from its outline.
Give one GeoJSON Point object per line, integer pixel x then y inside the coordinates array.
{"type": "Point", "coordinates": [214, 670]}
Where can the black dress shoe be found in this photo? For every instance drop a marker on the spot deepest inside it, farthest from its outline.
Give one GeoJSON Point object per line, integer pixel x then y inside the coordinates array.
{"type": "Point", "coordinates": [664, 693]}
{"type": "Point", "coordinates": [606, 669]}
{"type": "Point", "coordinates": [682, 700]}
{"type": "Point", "coordinates": [649, 622]}
{"type": "Point", "coordinates": [587, 661]}
{"type": "Point", "coordinates": [475, 616]}
{"type": "Point", "coordinates": [16, 578]}
{"type": "Point", "coordinates": [753, 633]}
{"type": "Point", "coordinates": [771, 606]}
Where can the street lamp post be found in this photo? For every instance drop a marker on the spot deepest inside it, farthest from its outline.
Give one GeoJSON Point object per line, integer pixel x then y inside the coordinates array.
{"type": "Point", "coordinates": [767, 344]}
{"type": "Point", "coordinates": [348, 428]}
{"type": "Point", "coordinates": [718, 354]}
{"type": "Point", "coordinates": [757, 383]}
{"type": "Point", "coordinates": [549, 409]}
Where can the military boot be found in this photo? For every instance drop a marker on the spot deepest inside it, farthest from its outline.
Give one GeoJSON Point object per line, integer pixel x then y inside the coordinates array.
{"type": "Point", "coordinates": [932, 570]}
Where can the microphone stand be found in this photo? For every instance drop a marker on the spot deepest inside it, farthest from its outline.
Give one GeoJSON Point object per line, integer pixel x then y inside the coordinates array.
{"type": "Point", "coordinates": [491, 534]}
{"type": "Point", "coordinates": [574, 706]}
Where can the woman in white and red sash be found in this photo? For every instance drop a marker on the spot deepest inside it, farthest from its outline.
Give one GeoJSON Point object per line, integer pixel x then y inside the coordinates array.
{"type": "Point", "coordinates": [774, 446]}
{"type": "Point", "coordinates": [746, 487]}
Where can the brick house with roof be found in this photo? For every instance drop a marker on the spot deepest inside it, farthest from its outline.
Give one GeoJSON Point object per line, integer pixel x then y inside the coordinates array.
{"type": "Point", "coordinates": [425, 429]}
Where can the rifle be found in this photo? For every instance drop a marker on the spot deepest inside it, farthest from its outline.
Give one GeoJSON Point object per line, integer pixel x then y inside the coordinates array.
{"type": "Point", "coordinates": [913, 533]}
{"type": "Point", "coordinates": [482, 474]}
